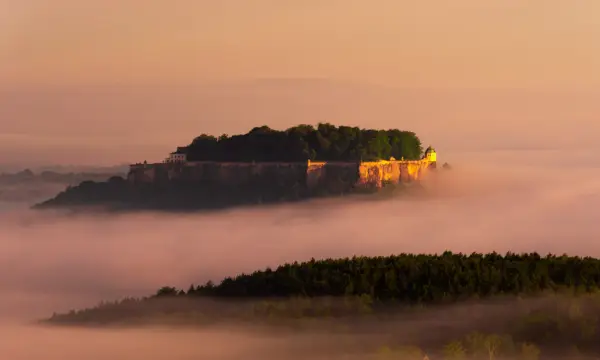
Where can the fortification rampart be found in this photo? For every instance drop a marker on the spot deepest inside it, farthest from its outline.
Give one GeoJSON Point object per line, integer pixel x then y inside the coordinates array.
{"type": "Point", "coordinates": [333, 176]}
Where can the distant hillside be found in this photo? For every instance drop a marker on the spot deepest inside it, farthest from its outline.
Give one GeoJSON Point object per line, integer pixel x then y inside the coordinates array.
{"type": "Point", "coordinates": [70, 178]}
{"type": "Point", "coordinates": [83, 169]}
{"type": "Point", "coordinates": [26, 186]}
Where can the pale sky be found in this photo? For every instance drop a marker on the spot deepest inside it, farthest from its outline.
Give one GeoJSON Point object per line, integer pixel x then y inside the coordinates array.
{"type": "Point", "coordinates": [495, 43]}
{"type": "Point", "coordinates": [541, 46]}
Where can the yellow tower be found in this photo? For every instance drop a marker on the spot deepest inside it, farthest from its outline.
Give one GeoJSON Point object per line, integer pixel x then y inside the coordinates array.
{"type": "Point", "coordinates": [430, 155]}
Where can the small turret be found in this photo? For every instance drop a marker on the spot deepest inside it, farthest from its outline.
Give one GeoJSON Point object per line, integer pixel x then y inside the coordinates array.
{"type": "Point", "coordinates": [430, 155]}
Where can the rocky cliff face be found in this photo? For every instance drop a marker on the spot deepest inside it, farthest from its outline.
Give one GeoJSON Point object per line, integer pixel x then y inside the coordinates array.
{"type": "Point", "coordinates": [212, 185]}
{"type": "Point", "coordinates": [378, 173]}
{"type": "Point", "coordinates": [332, 176]}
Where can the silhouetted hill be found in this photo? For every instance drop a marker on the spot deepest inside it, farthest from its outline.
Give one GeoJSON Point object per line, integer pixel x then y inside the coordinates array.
{"type": "Point", "coordinates": [119, 194]}
{"type": "Point", "coordinates": [448, 304]}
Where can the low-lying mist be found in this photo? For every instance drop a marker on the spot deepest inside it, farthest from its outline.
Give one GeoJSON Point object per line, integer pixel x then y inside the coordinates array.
{"type": "Point", "coordinates": [519, 201]}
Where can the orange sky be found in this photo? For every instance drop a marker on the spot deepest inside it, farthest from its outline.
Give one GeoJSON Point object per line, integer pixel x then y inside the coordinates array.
{"type": "Point", "coordinates": [395, 42]}
{"type": "Point", "coordinates": [544, 45]}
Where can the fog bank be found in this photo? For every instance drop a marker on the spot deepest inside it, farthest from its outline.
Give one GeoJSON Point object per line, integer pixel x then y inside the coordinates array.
{"type": "Point", "coordinates": [495, 201]}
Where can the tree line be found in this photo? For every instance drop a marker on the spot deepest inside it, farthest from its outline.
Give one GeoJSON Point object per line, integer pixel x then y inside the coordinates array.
{"type": "Point", "coordinates": [475, 345]}
{"type": "Point", "coordinates": [413, 278]}
{"type": "Point", "coordinates": [401, 289]}
{"type": "Point", "coordinates": [326, 142]}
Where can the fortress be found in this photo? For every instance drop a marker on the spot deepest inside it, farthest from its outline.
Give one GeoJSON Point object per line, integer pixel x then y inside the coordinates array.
{"type": "Point", "coordinates": [263, 166]}
{"type": "Point", "coordinates": [310, 175]}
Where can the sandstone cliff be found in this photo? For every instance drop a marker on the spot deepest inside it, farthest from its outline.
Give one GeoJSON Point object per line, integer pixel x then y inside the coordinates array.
{"type": "Point", "coordinates": [208, 185]}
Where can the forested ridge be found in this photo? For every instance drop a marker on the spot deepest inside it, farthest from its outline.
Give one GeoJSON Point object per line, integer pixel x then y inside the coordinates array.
{"type": "Point", "coordinates": [451, 306]}
{"type": "Point", "coordinates": [415, 278]}
{"type": "Point", "coordinates": [326, 142]}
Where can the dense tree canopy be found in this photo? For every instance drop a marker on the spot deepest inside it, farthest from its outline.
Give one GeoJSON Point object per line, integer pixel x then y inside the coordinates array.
{"type": "Point", "coordinates": [326, 142]}
{"type": "Point", "coordinates": [418, 278]}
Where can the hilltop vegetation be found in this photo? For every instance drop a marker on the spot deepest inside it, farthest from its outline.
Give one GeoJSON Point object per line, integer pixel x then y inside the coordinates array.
{"type": "Point", "coordinates": [516, 304]}
{"type": "Point", "coordinates": [417, 278]}
{"type": "Point", "coordinates": [326, 142]}
{"type": "Point", "coordinates": [117, 194]}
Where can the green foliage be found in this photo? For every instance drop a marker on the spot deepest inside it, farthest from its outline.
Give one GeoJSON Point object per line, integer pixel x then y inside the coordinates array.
{"type": "Point", "coordinates": [492, 345]}
{"type": "Point", "coordinates": [305, 142]}
{"type": "Point", "coordinates": [454, 351]}
{"type": "Point", "coordinates": [183, 195]}
{"type": "Point", "coordinates": [167, 291]}
{"type": "Point", "coordinates": [418, 278]}
{"type": "Point", "coordinates": [481, 345]}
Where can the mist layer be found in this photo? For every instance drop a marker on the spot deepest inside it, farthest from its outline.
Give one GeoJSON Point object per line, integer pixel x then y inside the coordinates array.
{"type": "Point", "coordinates": [503, 201]}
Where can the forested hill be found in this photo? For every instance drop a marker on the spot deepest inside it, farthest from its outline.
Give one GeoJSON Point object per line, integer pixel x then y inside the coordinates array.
{"type": "Point", "coordinates": [415, 278]}
{"type": "Point", "coordinates": [361, 293]}
{"type": "Point", "coordinates": [326, 142]}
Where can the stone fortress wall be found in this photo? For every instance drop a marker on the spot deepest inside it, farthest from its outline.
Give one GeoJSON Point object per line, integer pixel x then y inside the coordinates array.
{"type": "Point", "coordinates": [311, 175]}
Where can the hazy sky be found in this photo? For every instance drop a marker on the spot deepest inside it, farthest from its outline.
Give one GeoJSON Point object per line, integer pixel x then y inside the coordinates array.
{"type": "Point", "coordinates": [504, 43]}
{"type": "Point", "coordinates": [97, 49]}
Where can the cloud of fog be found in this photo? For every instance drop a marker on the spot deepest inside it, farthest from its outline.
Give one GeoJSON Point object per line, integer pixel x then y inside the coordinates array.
{"type": "Point", "coordinates": [519, 201]}
{"type": "Point", "coordinates": [23, 343]}
{"type": "Point", "coordinates": [20, 343]}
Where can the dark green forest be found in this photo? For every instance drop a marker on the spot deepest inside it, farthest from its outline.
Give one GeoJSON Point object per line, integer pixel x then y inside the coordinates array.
{"type": "Point", "coordinates": [416, 278]}
{"type": "Point", "coordinates": [326, 142]}
{"type": "Point", "coordinates": [460, 306]}
{"type": "Point", "coordinates": [117, 194]}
